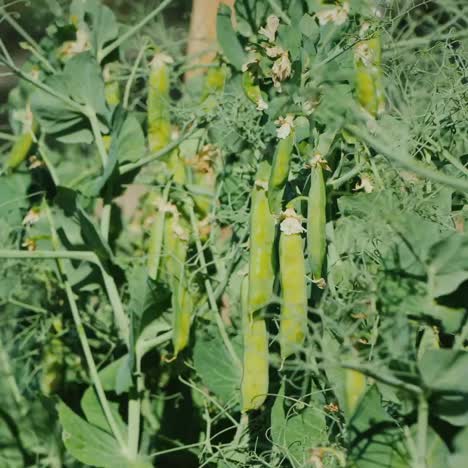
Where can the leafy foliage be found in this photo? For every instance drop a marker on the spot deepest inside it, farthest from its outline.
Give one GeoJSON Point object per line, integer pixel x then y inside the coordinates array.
{"type": "Point", "coordinates": [122, 329]}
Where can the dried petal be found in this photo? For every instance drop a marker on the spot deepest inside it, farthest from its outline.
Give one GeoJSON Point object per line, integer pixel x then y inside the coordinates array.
{"type": "Point", "coordinates": [269, 31]}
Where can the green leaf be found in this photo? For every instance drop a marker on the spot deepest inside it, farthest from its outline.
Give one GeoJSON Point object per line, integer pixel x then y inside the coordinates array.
{"type": "Point", "coordinates": [444, 370]}
{"type": "Point", "coordinates": [216, 369]}
{"type": "Point", "coordinates": [460, 455]}
{"type": "Point", "coordinates": [297, 429]}
{"type": "Point", "coordinates": [375, 440]}
{"type": "Point", "coordinates": [80, 81]}
{"type": "Point", "coordinates": [227, 38]}
{"type": "Point", "coordinates": [88, 443]}
{"type": "Point", "coordinates": [95, 415]}
{"type": "Point", "coordinates": [309, 27]}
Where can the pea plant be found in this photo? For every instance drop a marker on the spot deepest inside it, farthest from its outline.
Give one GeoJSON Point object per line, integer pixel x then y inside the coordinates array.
{"type": "Point", "coordinates": [265, 264]}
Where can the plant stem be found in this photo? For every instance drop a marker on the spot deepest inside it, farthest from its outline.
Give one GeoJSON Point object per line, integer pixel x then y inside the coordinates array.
{"type": "Point", "coordinates": [114, 298]}
{"type": "Point", "coordinates": [210, 292]}
{"type": "Point", "coordinates": [423, 420]}
{"type": "Point", "coordinates": [409, 163]}
{"type": "Point", "coordinates": [134, 413]}
{"type": "Point", "coordinates": [83, 339]}
{"type": "Point", "coordinates": [156, 239]}
{"type": "Point", "coordinates": [103, 53]}
{"type": "Point", "coordinates": [129, 167]}
{"type": "Point", "coordinates": [128, 85]}
{"type": "Point", "coordinates": [50, 255]}
{"type": "Point", "coordinates": [109, 283]}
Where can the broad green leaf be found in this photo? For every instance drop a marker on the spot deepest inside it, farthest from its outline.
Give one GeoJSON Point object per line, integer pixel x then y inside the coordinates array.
{"type": "Point", "coordinates": [375, 440]}
{"type": "Point", "coordinates": [214, 366]}
{"type": "Point", "coordinates": [297, 429]}
{"type": "Point", "coordinates": [227, 38]}
{"type": "Point", "coordinates": [460, 455]}
{"type": "Point", "coordinates": [444, 370]}
{"type": "Point", "coordinates": [88, 443]}
{"type": "Point", "coordinates": [81, 82]}
{"type": "Point", "coordinates": [95, 415]}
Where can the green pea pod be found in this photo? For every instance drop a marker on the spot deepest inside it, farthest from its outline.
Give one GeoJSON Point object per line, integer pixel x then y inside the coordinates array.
{"type": "Point", "coordinates": [159, 125]}
{"type": "Point", "coordinates": [293, 323]}
{"type": "Point", "coordinates": [279, 173]}
{"type": "Point", "coordinates": [111, 85]}
{"type": "Point", "coordinates": [214, 83]}
{"type": "Point", "coordinates": [176, 166]}
{"type": "Point", "coordinates": [355, 387]}
{"type": "Point", "coordinates": [176, 246]}
{"type": "Point", "coordinates": [182, 303]}
{"type": "Point", "coordinates": [262, 237]}
{"type": "Point", "coordinates": [21, 148]}
{"type": "Point", "coordinates": [316, 221]}
{"type": "Point", "coordinates": [369, 86]}
{"type": "Point", "coordinates": [252, 91]}
{"type": "Point", "coordinates": [157, 235]}
{"type": "Point", "coordinates": [53, 363]}
{"type": "Point", "coordinates": [254, 385]}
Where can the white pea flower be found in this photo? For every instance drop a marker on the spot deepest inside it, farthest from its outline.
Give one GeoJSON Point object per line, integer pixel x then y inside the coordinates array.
{"type": "Point", "coordinates": [365, 184]}
{"type": "Point", "coordinates": [292, 222]}
{"type": "Point", "coordinates": [261, 104]}
{"type": "Point", "coordinates": [263, 184]}
{"type": "Point", "coordinates": [269, 31]}
{"type": "Point", "coordinates": [32, 217]}
{"type": "Point", "coordinates": [286, 125]}
{"type": "Point", "coordinates": [318, 160]}
{"type": "Point", "coordinates": [363, 53]}
{"type": "Point", "coordinates": [161, 59]}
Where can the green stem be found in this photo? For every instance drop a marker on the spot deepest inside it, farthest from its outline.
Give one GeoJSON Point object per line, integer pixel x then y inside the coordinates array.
{"type": "Point", "coordinates": [8, 375]}
{"type": "Point", "coordinates": [210, 292]}
{"type": "Point", "coordinates": [129, 167]}
{"type": "Point", "coordinates": [103, 53]}
{"type": "Point", "coordinates": [409, 163]}
{"type": "Point", "coordinates": [134, 414]}
{"type": "Point", "coordinates": [384, 378]}
{"type": "Point", "coordinates": [92, 366]}
{"type": "Point", "coordinates": [93, 120]}
{"type": "Point", "coordinates": [156, 240]}
{"type": "Point", "coordinates": [117, 307]}
{"type": "Point", "coordinates": [83, 339]}
{"type": "Point", "coordinates": [109, 283]}
{"type": "Point", "coordinates": [128, 85]}
{"type": "Point", "coordinates": [423, 421]}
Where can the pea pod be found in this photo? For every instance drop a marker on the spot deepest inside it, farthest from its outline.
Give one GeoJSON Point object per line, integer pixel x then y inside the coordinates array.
{"type": "Point", "coordinates": [254, 385]}
{"type": "Point", "coordinates": [262, 236]}
{"type": "Point", "coordinates": [182, 304]}
{"type": "Point", "coordinates": [204, 178]}
{"type": "Point", "coordinates": [355, 387]}
{"type": "Point", "coordinates": [368, 65]}
{"type": "Point", "coordinates": [316, 219]}
{"type": "Point", "coordinates": [175, 247]}
{"type": "Point", "coordinates": [157, 234]}
{"type": "Point", "coordinates": [280, 172]}
{"type": "Point", "coordinates": [293, 323]}
{"type": "Point", "coordinates": [214, 83]}
{"type": "Point", "coordinates": [22, 146]}
{"type": "Point", "coordinates": [252, 91]}
{"type": "Point", "coordinates": [159, 125]}
{"type": "Point", "coordinates": [53, 363]}
{"type": "Point", "coordinates": [111, 85]}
